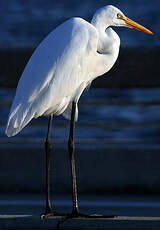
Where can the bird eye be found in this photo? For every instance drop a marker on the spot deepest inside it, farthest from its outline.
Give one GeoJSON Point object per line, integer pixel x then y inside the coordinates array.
{"type": "Point", "coordinates": [119, 16]}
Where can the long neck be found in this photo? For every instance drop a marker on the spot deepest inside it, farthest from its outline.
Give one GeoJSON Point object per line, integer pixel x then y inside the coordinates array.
{"type": "Point", "coordinates": [108, 46]}
{"type": "Point", "coordinates": [108, 39]}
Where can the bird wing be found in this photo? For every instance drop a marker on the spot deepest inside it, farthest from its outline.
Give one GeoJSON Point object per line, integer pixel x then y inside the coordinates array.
{"type": "Point", "coordinates": [54, 72]}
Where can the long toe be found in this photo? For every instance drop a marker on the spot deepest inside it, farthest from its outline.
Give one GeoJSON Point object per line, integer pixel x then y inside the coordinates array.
{"type": "Point", "coordinates": [52, 215]}
{"type": "Point", "coordinates": [82, 215]}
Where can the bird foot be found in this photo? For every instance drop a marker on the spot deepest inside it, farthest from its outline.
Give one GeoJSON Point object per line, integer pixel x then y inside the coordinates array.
{"type": "Point", "coordinates": [51, 214]}
{"type": "Point", "coordinates": [82, 215]}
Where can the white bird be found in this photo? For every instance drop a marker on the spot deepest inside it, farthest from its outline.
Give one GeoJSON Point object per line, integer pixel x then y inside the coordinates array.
{"type": "Point", "coordinates": [62, 66]}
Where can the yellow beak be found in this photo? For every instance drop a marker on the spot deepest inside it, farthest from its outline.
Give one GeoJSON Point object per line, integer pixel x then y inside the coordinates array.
{"type": "Point", "coordinates": [135, 25]}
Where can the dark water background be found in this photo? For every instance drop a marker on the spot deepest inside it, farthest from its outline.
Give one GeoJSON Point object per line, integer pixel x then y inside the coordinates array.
{"type": "Point", "coordinates": [117, 145]}
{"type": "Point", "coordinates": [118, 131]}
{"type": "Point", "coordinates": [26, 23]}
{"type": "Point", "coordinates": [104, 114]}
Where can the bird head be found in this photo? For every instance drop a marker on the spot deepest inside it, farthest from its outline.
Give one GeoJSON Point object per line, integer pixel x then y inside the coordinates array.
{"type": "Point", "coordinates": [114, 17]}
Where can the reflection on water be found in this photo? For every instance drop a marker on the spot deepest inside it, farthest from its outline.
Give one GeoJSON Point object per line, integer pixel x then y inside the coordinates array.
{"type": "Point", "coordinates": [110, 114]}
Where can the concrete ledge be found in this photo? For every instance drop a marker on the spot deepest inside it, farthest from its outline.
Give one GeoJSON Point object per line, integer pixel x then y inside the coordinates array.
{"type": "Point", "coordinates": [121, 222]}
{"type": "Point", "coordinates": [23, 211]}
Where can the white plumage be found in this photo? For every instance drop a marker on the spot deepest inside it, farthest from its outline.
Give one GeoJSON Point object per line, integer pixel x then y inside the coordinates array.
{"type": "Point", "coordinates": [62, 66]}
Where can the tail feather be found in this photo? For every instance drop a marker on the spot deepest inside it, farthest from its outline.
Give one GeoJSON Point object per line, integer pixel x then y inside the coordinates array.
{"type": "Point", "coordinates": [18, 119]}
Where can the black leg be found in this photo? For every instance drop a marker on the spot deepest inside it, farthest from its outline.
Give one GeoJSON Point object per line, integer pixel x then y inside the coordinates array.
{"type": "Point", "coordinates": [48, 209]}
{"type": "Point", "coordinates": [71, 149]}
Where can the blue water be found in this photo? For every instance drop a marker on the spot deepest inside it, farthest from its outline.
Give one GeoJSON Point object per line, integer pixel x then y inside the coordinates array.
{"type": "Point", "coordinates": [26, 23]}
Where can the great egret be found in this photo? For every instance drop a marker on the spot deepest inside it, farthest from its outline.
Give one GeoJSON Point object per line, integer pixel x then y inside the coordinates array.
{"type": "Point", "coordinates": [62, 66]}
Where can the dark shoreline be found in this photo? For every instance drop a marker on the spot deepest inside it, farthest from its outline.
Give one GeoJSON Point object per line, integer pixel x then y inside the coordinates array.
{"type": "Point", "coordinates": [135, 67]}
